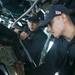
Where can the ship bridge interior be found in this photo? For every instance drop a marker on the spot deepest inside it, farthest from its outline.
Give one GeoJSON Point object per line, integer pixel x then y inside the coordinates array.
{"type": "Point", "coordinates": [14, 14]}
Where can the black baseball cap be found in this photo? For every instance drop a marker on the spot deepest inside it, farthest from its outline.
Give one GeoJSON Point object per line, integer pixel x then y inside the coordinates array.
{"type": "Point", "coordinates": [53, 11]}
{"type": "Point", "coordinates": [35, 18]}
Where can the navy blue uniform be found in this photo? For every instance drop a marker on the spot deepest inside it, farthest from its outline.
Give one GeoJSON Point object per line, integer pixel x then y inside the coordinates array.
{"type": "Point", "coordinates": [68, 67]}
{"type": "Point", "coordinates": [34, 45]}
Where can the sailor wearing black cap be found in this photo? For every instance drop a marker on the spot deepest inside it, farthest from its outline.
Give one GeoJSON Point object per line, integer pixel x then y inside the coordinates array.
{"type": "Point", "coordinates": [60, 24]}
{"type": "Point", "coordinates": [33, 38]}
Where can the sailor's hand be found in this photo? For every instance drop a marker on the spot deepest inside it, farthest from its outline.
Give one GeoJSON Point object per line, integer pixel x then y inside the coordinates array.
{"type": "Point", "coordinates": [18, 68]}
{"type": "Point", "coordinates": [24, 35]}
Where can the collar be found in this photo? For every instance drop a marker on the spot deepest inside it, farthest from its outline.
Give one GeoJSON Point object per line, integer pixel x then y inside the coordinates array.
{"type": "Point", "coordinates": [72, 41]}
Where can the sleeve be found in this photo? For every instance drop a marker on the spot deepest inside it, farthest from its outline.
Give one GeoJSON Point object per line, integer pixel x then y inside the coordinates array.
{"type": "Point", "coordinates": [37, 45]}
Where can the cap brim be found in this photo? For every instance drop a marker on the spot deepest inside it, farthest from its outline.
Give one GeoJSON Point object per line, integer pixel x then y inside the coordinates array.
{"type": "Point", "coordinates": [45, 22]}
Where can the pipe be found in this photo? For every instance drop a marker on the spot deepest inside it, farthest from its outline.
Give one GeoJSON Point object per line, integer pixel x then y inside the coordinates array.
{"type": "Point", "coordinates": [24, 13]}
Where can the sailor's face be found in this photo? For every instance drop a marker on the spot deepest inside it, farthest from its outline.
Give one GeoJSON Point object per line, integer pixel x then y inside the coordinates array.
{"type": "Point", "coordinates": [55, 26]}
{"type": "Point", "coordinates": [33, 26]}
